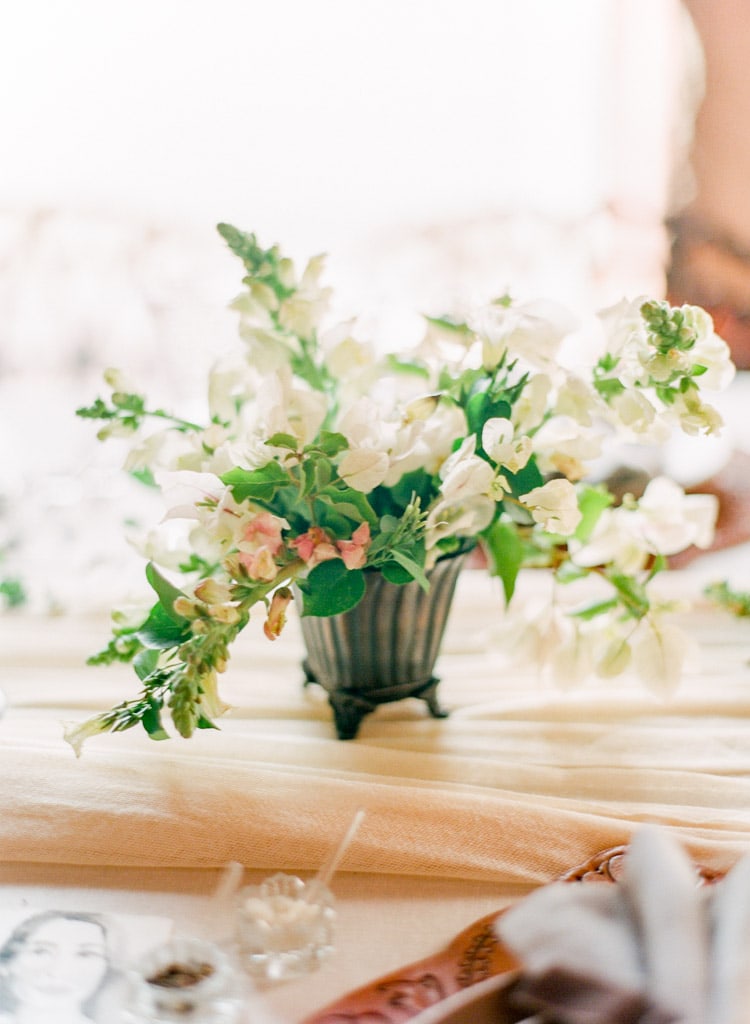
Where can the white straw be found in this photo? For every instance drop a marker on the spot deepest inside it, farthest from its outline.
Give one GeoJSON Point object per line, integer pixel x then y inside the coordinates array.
{"type": "Point", "coordinates": [328, 868]}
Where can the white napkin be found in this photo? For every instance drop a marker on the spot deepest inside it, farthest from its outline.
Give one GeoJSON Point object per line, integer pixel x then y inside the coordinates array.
{"type": "Point", "coordinates": [656, 932]}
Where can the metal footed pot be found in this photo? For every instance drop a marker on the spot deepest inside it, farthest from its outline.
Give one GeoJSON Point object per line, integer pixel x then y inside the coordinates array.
{"type": "Point", "coordinates": [384, 649]}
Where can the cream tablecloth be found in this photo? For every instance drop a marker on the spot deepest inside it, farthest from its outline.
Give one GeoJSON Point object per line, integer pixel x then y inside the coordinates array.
{"type": "Point", "coordinates": [518, 785]}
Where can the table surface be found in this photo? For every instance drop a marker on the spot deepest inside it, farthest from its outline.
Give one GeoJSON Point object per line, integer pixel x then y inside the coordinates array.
{"type": "Point", "coordinates": [463, 815]}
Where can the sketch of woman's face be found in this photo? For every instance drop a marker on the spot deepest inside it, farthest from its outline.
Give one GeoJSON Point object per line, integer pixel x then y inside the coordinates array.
{"type": "Point", "coordinates": [62, 962]}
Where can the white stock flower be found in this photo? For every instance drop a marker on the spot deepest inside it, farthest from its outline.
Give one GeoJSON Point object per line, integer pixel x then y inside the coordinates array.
{"type": "Point", "coordinates": [554, 506]}
{"type": "Point", "coordinates": [501, 446]}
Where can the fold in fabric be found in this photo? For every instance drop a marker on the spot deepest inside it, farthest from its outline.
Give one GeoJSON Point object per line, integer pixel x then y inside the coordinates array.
{"type": "Point", "coordinates": [519, 785]}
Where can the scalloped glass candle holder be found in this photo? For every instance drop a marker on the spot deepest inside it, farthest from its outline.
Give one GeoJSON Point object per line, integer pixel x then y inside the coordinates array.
{"type": "Point", "coordinates": [284, 927]}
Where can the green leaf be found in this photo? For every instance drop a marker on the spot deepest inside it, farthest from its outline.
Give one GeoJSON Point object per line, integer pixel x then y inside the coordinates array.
{"type": "Point", "coordinates": [446, 323]}
{"type": "Point", "coordinates": [591, 501]}
{"type": "Point", "coordinates": [331, 589]}
{"type": "Point", "coordinates": [414, 570]}
{"type": "Point", "coordinates": [569, 572]}
{"type": "Point", "coordinates": [161, 631]}
{"type": "Point", "coordinates": [735, 601]}
{"type": "Point", "coordinates": [505, 550]}
{"type": "Point", "coordinates": [329, 443]}
{"type": "Point", "coordinates": [256, 484]}
{"type": "Point", "coordinates": [282, 440]}
{"type": "Point", "coordinates": [524, 480]}
{"type": "Point", "coordinates": [12, 591]}
{"type": "Point", "coordinates": [144, 476]}
{"type": "Point", "coordinates": [350, 503]}
{"type": "Point", "coordinates": [166, 592]}
{"type": "Point", "coordinates": [632, 594]}
{"type": "Point", "coordinates": [597, 608]}
{"type": "Point", "coordinates": [151, 722]}
{"type": "Point", "coordinates": [145, 662]}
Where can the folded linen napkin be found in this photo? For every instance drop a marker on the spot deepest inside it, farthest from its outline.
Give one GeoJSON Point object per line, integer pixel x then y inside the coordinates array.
{"type": "Point", "coordinates": [655, 934]}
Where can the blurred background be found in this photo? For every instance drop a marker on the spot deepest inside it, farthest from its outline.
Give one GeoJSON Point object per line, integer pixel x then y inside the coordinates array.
{"type": "Point", "coordinates": [440, 152]}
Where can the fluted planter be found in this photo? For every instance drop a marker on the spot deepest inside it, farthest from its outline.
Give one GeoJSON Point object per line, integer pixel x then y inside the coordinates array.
{"type": "Point", "coordinates": [385, 648]}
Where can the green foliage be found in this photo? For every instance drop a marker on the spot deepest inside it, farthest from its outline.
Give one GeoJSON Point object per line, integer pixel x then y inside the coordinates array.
{"type": "Point", "coordinates": [505, 552]}
{"type": "Point", "coordinates": [13, 593]}
{"type": "Point", "coordinates": [331, 589]}
{"type": "Point", "coordinates": [735, 601]}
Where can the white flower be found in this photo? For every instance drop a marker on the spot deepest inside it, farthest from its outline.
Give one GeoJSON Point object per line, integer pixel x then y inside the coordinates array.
{"type": "Point", "coordinates": [533, 405]}
{"type": "Point", "coordinates": [709, 350]}
{"type": "Point", "coordinates": [76, 733]}
{"type": "Point", "coordinates": [363, 468]}
{"type": "Point", "coordinates": [664, 521]}
{"type": "Point", "coordinates": [501, 446]}
{"type": "Point", "coordinates": [302, 312]}
{"type": "Point", "coordinates": [561, 439]}
{"type": "Point", "coordinates": [671, 520]}
{"type": "Point", "coordinates": [659, 652]}
{"type": "Point", "coordinates": [465, 474]}
{"type": "Point", "coordinates": [696, 416]}
{"type": "Point", "coordinates": [119, 381]}
{"type": "Point", "coordinates": [256, 303]}
{"type": "Point", "coordinates": [554, 505]}
{"type": "Point", "coordinates": [615, 539]}
{"type": "Point", "coordinates": [462, 516]}
{"type": "Point", "coordinates": [531, 330]}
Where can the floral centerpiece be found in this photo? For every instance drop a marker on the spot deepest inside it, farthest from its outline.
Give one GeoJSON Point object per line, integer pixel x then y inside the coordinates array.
{"type": "Point", "coordinates": [322, 459]}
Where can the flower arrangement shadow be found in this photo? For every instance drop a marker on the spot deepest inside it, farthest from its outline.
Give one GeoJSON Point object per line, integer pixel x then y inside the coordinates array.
{"type": "Point", "coordinates": [322, 460]}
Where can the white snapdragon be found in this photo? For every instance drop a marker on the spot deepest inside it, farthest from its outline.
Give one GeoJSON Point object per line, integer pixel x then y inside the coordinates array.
{"type": "Point", "coordinates": [268, 351]}
{"type": "Point", "coordinates": [709, 350]}
{"type": "Point", "coordinates": [256, 304]}
{"type": "Point", "coordinates": [696, 416]}
{"type": "Point", "coordinates": [305, 308]}
{"type": "Point", "coordinates": [554, 506]}
{"type": "Point", "coordinates": [232, 383]}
